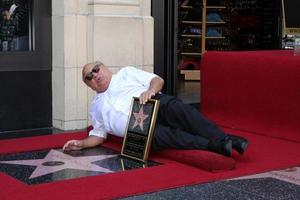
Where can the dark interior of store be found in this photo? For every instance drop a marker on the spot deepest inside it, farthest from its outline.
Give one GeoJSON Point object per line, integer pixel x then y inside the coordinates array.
{"type": "Point", "coordinates": [230, 25]}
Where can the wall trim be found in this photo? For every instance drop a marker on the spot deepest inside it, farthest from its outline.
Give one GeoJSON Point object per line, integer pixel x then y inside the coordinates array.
{"type": "Point", "coordinates": [115, 2]}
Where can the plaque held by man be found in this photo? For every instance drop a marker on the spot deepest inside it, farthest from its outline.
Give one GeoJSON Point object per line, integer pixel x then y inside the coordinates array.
{"type": "Point", "coordinates": [139, 131]}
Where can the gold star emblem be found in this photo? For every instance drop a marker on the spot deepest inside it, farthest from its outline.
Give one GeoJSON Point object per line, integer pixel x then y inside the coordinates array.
{"type": "Point", "coordinates": [139, 118]}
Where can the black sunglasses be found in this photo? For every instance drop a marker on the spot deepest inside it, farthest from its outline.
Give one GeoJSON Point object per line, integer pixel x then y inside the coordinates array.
{"type": "Point", "coordinates": [95, 69]}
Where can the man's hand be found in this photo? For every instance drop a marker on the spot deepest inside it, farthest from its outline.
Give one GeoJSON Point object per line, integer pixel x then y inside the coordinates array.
{"type": "Point", "coordinates": [145, 96]}
{"type": "Point", "coordinates": [156, 85]}
{"type": "Point", "coordinates": [73, 145]}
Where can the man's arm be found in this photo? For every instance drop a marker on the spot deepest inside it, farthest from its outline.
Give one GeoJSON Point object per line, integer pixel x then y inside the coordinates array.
{"type": "Point", "coordinates": [90, 141]}
{"type": "Point", "coordinates": [156, 86]}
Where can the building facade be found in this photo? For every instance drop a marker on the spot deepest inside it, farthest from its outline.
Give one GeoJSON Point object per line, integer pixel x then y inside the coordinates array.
{"type": "Point", "coordinates": [117, 32]}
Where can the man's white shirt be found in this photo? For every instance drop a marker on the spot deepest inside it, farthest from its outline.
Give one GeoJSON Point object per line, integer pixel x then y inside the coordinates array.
{"type": "Point", "coordinates": [110, 110]}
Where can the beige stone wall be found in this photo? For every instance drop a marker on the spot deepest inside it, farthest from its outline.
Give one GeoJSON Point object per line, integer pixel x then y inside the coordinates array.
{"type": "Point", "coordinates": [117, 32]}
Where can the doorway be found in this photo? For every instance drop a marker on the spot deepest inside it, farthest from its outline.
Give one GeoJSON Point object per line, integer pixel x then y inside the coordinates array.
{"type": "Point", "coordinates": [25, 65]}
{"type": "Point", "coordinates": [165, 14]}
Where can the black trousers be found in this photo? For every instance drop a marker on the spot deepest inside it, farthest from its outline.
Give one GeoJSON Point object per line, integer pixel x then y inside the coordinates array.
{"type": "Point", "coordinates": [181, 126]}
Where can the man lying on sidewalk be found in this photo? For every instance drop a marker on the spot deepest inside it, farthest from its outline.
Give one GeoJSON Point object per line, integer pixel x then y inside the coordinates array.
{"type": "Point", "coordinates": [178, 125]}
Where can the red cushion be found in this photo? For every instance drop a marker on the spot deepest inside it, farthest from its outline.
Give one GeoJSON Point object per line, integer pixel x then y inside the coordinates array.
{"type": "Point", "coordinates": [205, 160]}
{"type": "Point", "coordinates": [257, 91]}
{"type": "Point", "coordinates": [202, 159]}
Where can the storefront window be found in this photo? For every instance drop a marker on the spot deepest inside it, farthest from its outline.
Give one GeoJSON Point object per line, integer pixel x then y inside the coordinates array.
{"type": "Point", "coordinates": [15, 26]}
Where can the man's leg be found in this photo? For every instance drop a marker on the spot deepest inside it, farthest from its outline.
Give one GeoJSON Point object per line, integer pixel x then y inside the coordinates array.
{"type": "Point", "coordinates": [174, 113]}
{"type": "Point", "coordinates": [167, 137]}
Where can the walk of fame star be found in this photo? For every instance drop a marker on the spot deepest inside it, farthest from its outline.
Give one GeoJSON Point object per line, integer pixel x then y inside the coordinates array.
{"type": "Point", "coordinates": [139, 118]}
{"type": "Point", "coordinates": [56, 161]}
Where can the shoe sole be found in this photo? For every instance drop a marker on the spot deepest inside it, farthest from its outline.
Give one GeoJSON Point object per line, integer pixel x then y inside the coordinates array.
{"type": "Point", "coordinates": [229, 146]}
{"type": "Point", "coordinates": [244, 147]}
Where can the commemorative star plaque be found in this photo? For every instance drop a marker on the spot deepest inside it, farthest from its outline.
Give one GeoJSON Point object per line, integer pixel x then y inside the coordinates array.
{"type": "Point", "coordinates": [139, 131]}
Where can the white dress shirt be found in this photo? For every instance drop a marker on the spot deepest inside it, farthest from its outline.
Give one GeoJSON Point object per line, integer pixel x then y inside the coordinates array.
{"type": "Point", "coordinates": [110, 110]}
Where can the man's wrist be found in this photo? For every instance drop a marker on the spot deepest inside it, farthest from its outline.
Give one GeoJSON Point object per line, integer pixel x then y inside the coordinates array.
{"type": "Point", "coordinates": [82, 143]}
{"type": "Point", "coordinates": [152, 90]}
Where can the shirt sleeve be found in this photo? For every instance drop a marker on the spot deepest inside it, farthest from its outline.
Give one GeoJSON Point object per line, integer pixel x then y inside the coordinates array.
{"type": "Point", "coordinates": [98, 124]}
{"type": "Point", "coordinates": [143, 77]}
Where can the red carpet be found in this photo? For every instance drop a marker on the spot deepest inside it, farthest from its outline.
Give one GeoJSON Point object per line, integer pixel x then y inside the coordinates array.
{"type": "Point", "coordinates": [264, 154]}
{"type": "Point", "coordinates": [256, 91]}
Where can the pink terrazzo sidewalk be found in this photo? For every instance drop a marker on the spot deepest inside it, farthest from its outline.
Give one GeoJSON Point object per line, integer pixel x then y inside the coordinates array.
{"type": "Point", "coordinates": [291, 175]}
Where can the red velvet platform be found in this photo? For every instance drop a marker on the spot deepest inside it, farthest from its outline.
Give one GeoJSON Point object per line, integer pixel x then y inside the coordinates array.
{"type": "Point", "coordinates": [168, 175]}
{"type": "Point", "coordinates": [256, 92]}
{"type": "Point", "coordinates": [201, 159]}
{"type": "Point", "coordinates": [253, 94]}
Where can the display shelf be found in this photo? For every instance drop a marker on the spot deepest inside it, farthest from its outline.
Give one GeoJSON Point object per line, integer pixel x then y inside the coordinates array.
{"type": "Point", "coordinates": [217, 23]}
{"type": "Point", "coordinates": [215, 7]}
{"type": "Point", "coordinates": [186, 7]}
{"type": "Point", "coordinates": [190, 53]}
{"type": "Point", "coordinates": [191, 75]}
{"type": "Point", "coordinates": [211, 38]}
{"type": "Point", "coordinates": [226, 25]}
{"type": "Point", "coordinates": [192, 25]}
{"type": "Point", "coordinates": [191, 35]}
{"type": "Point", "coordinates": [191, 22]}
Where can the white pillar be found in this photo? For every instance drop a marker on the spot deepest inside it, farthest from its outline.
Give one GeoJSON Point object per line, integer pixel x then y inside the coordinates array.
{"type": "Point", "coordinates": [117, 32]}
{"type": "Point", "coordinates": [69, 22]}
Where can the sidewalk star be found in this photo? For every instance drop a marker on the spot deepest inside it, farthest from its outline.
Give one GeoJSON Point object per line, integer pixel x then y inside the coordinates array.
{"type": "Point", "coordinates": [56, 161]}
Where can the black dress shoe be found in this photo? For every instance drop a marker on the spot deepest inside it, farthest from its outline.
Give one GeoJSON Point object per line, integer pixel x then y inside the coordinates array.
{"type": "Point", "coordinates": [223, 147]}
{"type": "Point", "coordinates": [239, 143]}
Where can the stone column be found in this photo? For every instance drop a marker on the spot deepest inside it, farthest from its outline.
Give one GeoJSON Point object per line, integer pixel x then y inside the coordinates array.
{"type": "Point", "coordinates": [69, 27]}
{"type": "Point", "coordinates": [116, 32]}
